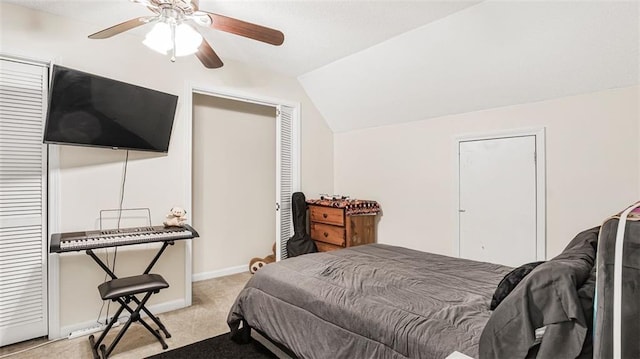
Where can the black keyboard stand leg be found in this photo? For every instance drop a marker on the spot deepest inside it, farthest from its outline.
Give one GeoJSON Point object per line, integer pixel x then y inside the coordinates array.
{"type": "Point", "coordinates": [158, 322]}
{"type": "Point", "coordinates": [135, 316]}
{"type": "Point", "coordinates": [95, 345]}
{"type": "Point", "coordinates": [155, 333]}
{"type": "Point", "coordinates": [152, 317]}
{"type": "Point", "coordinates": [94, 349]}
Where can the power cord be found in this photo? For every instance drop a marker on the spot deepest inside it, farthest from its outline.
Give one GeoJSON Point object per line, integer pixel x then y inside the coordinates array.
{"type": "Point", "coordinates": [31, 348]}
{"type": "Point", "coordinates": [115, 251]}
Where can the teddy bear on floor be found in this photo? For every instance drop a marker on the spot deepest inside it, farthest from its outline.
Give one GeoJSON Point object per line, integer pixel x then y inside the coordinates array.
{"type": "Point", "coordinates": [176, 218]}
{"type": "Point", "coordinates": [257, 263]}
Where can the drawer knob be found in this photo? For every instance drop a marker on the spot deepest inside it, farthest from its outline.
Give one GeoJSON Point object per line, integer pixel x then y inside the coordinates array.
{"type": "Point", "coordinates": [326, 234]}
{"type": "Point", "coordinates": [324, 215]}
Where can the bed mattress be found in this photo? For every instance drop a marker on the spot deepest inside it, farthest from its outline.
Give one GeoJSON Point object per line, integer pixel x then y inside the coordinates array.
{"type": "Point", "coordinates": [375, 301]}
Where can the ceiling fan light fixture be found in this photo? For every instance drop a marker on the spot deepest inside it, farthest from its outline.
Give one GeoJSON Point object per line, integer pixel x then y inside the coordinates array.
{"type": "Point", "coordinates": [159, 39]}
{"type": "Point", "coordinates": [176, 30]}
{"type": "Point", "coordinates": [188, 40]}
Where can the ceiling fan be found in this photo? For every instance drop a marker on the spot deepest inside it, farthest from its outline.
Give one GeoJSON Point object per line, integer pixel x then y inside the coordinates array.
{"type": "Point", "coordinates": [177, 30]}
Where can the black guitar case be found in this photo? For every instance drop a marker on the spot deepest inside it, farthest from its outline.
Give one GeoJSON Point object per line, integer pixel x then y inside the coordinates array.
{"type": "Point", "coordinates": [619, 245]}
{"type": "Point", "coordinates": [300, 242]}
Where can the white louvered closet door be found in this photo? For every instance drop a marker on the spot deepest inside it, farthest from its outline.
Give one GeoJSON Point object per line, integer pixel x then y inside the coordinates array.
{"type": "Point", "coordinates": [287, 178]}
{"type": "Point", "coordinates": [23, 242]}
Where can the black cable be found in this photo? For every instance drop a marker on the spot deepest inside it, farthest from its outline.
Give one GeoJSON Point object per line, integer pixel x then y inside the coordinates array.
{"type": "Point", "coordinates": [115, 251]}
{"type": "Point", "coordinates": [124, 180]}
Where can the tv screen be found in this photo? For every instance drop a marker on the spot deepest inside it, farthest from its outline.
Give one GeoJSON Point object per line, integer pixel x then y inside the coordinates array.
{"type": "Point", "coordinates": [90, 110]}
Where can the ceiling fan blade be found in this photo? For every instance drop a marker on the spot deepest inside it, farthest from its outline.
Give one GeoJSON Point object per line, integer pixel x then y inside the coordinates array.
{"type": "Point", "coordinates": [122, 27]}
{"type": "Point", "coordinates": [246, 29]}
{"type": "Point", "coordinates": [207, 56]}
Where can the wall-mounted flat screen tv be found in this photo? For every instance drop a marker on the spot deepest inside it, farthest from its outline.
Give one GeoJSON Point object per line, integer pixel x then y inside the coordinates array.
{"type": "Point", "coordinates": [89, 110]}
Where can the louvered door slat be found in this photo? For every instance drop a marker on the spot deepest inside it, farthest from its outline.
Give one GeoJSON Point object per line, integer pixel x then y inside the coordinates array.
{"type": "Point", "coordinates": [27, 120]}
{"type": "Point", "coordinates": [15, 285]}
{"type": "Point", "coordinates": [26, 312]}
{"type": "Point", "coordinates": [21, 311]}
{"type": "Point", "coordinates": [27, 282]}
{"type": "Point", "coordinates": [19, 211]}
{"type": "Point", "coordinates": [25, 260]}
{"type": "Point", "coordinates": [19, 306]}
{"type": "Point", "coordinates": [24, 291]}
{"type": "Point", "coordinates": [19, 238]}
{"type": "Point", "coordinates": [18, 146]}
{"type": "Point", "coordinates": [17, 256]}
{"type": "Point", "coordinates": [23, 301]}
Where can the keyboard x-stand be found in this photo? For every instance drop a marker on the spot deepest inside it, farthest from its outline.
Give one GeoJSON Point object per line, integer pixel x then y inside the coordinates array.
{"type": "Point", "coordinates": [90, 240]}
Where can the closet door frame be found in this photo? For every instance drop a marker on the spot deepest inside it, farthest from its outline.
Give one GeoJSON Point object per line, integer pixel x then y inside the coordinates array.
{"type": "Point", "coordinates": [540, 158]}
{"type": "Point", "coordinates": [193, 88]}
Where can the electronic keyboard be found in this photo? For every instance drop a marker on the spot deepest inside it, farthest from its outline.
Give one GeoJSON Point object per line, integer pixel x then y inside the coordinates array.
{"type": "Point", "coordinates": [78, 241]}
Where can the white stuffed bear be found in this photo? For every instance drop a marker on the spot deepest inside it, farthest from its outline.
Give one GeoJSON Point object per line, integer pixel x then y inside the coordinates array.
{"type": "Point", "coordinates": [176, 218]}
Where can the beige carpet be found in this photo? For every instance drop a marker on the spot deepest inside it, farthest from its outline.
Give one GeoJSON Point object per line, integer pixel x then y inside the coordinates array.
{"type": "Point", "coordinates": [204, 319]}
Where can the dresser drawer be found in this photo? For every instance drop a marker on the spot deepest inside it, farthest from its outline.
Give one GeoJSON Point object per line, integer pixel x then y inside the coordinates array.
{"type": "Point", "coordinates": [325, 247]}
{"type": "Point", "coordinates": [327, 215]}
{"type": "Point", "coordinates": [328, 234]}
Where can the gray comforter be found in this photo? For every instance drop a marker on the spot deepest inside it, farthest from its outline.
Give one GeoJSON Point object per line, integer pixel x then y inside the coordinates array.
{"type": "Point", "coordinates": [374, 301]}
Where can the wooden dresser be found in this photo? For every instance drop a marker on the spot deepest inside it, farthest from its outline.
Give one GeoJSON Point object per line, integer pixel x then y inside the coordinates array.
{"type": "Point", "coordinates": [331, 228]}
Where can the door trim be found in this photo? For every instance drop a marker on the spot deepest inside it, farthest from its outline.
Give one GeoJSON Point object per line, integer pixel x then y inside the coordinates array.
{"type": "Point", "coordinates": [541, 205]}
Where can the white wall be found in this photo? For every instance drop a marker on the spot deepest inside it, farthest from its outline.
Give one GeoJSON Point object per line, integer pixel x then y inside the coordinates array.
{"type": "Point", "coordinates": [592, 166]}
{"type": "Point", "coordinates": [234, 183]}
{"type": "Point", "coordinates": [90, 178]}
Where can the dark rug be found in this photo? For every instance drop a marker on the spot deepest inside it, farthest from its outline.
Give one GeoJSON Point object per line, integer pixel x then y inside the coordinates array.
{"type": "Point", "coordinates": [220, 347]}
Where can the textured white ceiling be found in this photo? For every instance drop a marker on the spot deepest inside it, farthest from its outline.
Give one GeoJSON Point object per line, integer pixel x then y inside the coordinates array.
{"type": "Point", "coordinates": [316, 32]}
{"type": "Point", "coordinates": [490, 55]}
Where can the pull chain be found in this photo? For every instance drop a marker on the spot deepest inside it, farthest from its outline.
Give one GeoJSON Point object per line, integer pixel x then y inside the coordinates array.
{"type": "Point", "coordinates": [173, 41]}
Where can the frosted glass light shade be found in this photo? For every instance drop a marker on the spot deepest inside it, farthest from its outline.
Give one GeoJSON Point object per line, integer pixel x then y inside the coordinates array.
{"type": "Point", "coordinates": [187, 40]}
{"type": "Point", "coordinates": [159, 39]}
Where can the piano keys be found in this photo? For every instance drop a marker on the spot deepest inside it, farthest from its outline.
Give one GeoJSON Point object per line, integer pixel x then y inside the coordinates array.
{"type": "Point", "coordinates": [79, 241]}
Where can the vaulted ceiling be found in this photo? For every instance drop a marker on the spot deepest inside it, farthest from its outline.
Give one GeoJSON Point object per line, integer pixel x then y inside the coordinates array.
{"type": "Point", "coordinates": [374, 63]}
{"type": "Point", "coordinates": [490, 55]}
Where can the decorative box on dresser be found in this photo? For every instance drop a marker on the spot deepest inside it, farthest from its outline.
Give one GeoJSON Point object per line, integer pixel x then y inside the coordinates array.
{"type": "Point", "coordinates": [336, 224]}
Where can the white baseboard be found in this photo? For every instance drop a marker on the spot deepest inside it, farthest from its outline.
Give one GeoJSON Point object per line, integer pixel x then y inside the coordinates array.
{"type": "Point", "coordinates": [155, 309]}
{"type": "Point", "coordinates": [220, 272]}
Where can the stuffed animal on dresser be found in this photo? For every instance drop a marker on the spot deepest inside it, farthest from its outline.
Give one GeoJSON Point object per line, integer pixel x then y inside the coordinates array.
{"type": "Point", "coordinates": [177, 217]}
{"type": "Point", "coordinates": [256, 264]}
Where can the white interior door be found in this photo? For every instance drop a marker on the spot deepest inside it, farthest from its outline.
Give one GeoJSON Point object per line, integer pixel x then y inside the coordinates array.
{"type": "Point", "coordinates": [497, 209]}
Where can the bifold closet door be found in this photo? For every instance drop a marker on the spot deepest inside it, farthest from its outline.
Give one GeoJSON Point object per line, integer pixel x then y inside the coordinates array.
{"type": "Point", "coordinates": [23, 237]}
{"type": "Point", "coordinates": [286, 180]}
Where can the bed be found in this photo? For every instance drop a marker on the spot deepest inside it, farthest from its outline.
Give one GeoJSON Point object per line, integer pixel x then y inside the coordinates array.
{"type": "Point", "coordinates": [382, 301]}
